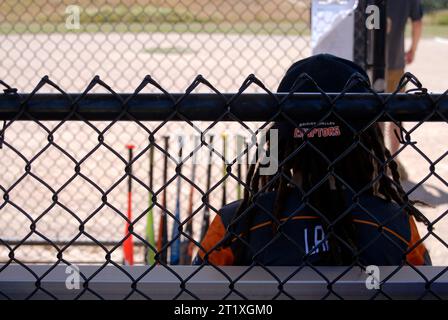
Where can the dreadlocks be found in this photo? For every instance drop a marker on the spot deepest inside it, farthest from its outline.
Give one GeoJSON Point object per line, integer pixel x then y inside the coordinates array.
{"type": "Point", "coordinates": [327, 172]}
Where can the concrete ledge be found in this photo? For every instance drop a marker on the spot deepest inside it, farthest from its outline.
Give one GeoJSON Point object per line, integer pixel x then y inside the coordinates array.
{"type": "Point", "coordinates": [111, 282]}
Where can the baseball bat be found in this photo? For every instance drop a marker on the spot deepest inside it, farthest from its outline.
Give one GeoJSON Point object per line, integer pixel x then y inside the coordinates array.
{"type": "Point", "coordinates": [239, 146]}
{"type": "Point", "coordinates": [128, 245]}
{"type": "Point", "coordinates": [175, 245]}
{"type": "Point", "coordinates": [162, 238]}
{"type": "Point", "coordinates": [224, 169]}
{"type": "Point", "coordinates": [149, 253]}
{"type": "Point", "coordinates": [187, 245]}
{"type": "Point", "coordinates": [206, 217]}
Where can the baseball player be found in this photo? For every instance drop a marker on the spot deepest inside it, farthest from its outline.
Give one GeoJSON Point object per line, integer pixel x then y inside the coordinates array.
{"type": "Point", "coordinates": [331, 201]}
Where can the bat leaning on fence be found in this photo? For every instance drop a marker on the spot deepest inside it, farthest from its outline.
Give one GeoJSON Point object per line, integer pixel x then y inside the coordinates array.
{"type": "Point", "coordinates": [162, 238]}
{"type": "Point", "coordinates": [206, 218]}
{"type": "Point", "coordinates": [128, 244]}
{"type": "Point", "coordinates": [175, 245]}
{"type": "Point", "coordinates": [239, 150]}
{"type": "Point", "coordinates": [149, 252]}
{"type": "Point", "coordinates": [186, 245]}
{"type": "Point", "coordinates": [224, 170]}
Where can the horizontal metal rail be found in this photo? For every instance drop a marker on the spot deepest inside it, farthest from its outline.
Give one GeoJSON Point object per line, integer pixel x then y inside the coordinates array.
{"type": "Point", "coordinates": [64, 243]}
{"type": "Point", "coordinates": [208, 283]}
{"type": "Point", "coordinates": [210, 107]}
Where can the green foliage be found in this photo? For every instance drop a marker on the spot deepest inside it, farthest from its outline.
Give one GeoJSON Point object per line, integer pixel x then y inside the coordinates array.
{"type": "Point", "coordinates": [441, 18]}
{"type": "Point", "coordinates": [436, 12]}
{"type": "Point", "coordinates": [138, 14]}
{"type": "Point", "coordinates": [431, 5]}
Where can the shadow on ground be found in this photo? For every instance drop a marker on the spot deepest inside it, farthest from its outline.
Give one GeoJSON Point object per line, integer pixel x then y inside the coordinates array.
{"type": "Point", "coordinates": [430, 194]}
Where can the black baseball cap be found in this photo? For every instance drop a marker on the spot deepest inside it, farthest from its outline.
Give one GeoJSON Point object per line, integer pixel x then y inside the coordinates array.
{"type": "Point", "coordinates": [332, 75]}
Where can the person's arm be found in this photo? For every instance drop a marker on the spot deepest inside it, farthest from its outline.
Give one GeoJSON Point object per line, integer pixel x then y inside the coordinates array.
{"type": "Point", "coordinates": [417, 28]}
{"type": "Point", "coordinates": [416, 15]}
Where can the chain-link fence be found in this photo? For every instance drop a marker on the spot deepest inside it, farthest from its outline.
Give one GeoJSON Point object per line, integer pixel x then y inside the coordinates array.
{"type": "Point", "coordinates": [70, 195]}
{"type": "Point", "coordinates": [174, 40]}
{"type": "Point", "coordinates": [122, 41]}
{"type": "Point", "coordinates": [93, 202]}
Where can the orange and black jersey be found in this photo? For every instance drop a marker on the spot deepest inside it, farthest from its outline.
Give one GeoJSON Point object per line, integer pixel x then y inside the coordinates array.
{"type": "Point", "coordinates": [385, 235]}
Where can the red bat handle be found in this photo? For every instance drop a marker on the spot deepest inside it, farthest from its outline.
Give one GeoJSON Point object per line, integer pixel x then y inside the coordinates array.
{"type": "Point", "coordinates": [128, 245]}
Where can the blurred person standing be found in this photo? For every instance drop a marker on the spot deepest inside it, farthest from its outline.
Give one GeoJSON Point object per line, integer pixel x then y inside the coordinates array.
{"type": "Point", "coordinates": [399, 12]}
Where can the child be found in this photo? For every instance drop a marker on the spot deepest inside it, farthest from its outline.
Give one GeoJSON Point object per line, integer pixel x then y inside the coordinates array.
{"type": "Point", "coordinates": [331, 201]}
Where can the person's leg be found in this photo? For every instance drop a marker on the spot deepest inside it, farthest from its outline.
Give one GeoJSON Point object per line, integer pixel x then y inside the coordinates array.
{"type": "Point", "coordinates": [393, 78]}
{"type": "Point", "coordinates": [394, 143]}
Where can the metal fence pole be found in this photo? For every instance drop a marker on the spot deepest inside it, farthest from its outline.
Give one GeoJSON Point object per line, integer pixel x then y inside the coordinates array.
{"type": "Point", "coordinates": [379, 48]}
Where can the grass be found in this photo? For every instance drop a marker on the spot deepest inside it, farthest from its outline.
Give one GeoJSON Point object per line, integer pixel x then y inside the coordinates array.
{"type": "Point", "coordinates": [169, 50]}
{"type": "Point", "coordinates": [435, 31]}
{"type": "Point", "coordinates": [439, 18]}
{"type": "Point", "coordinates": [298, 28]}
{"type": "Point", "coordinates": [435, 25]}
{"type": "Point", "coordinates": [430, 31]}
{"type": "Point", "coordinates": [138, 14]}
{"type": "Point", "coordinates": [208, 16]}
{"type": "Point", "coordinates": [192, 16]}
